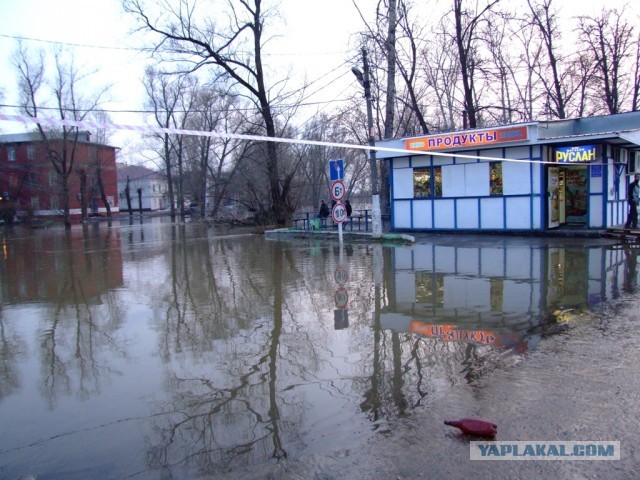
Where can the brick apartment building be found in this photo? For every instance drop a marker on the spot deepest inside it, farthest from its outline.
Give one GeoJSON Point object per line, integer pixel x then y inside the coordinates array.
{"type": "Point", "coordinates": [31, 187]}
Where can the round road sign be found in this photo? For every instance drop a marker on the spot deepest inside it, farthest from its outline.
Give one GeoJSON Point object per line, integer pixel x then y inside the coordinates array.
{"type": "Point", "coordinates": [339, 213]}
{"type": "Point", "coordinates": [341, 298]}
{"type": "Point", "coordinates": [341, 275]}
{"type": "Point", "coordinates": [338, 190]}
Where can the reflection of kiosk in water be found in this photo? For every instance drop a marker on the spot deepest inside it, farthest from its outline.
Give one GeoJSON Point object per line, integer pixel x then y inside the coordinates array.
{"type": "Point", "coordinates": [497, 295]}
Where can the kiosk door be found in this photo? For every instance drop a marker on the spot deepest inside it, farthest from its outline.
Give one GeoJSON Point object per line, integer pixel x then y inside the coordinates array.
{"type": "Point", "coordinates": [553, 197]}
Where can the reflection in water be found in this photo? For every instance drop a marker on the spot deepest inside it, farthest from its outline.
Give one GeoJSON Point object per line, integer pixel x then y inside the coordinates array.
{"type": "Point", "coordinates": [172, 349]}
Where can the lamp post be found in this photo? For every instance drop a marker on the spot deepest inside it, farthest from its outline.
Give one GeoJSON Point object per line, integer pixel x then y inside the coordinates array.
{"type": "Point", "coordinates": [376, 216]}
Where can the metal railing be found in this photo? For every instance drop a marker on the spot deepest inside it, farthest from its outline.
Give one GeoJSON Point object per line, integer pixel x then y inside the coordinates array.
{"type": "Point", "coordinates": [360, 220]}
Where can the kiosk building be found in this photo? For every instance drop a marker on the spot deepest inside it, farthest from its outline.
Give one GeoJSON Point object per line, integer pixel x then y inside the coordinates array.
{"type": "Point", "coordinates": [524, 177]}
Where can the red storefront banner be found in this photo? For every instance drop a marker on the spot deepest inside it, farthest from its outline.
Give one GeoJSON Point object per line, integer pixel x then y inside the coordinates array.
{"type": "Point", "coordinates": [471, 139]}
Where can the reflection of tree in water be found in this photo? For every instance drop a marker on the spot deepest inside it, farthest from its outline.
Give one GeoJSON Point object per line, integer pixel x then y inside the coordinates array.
{"type": "Point", "coordinates": [229, 413]}
{"type": "Point", "coordinates": [12, 350]}
{"type": "Point", "coordinates": [404, 369]}
{"type": "Point", "coordinates": [630, 281]}
{"type": "Point", "coordinates": [238, 370]}
{"type": "Point", "coordinates": [78, 328]}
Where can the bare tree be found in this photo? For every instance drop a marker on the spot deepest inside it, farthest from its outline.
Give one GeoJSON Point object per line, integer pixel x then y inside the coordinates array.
{"type": "Point", "coordinates": [635, 102]}
{"type": "Point", "coordinates": [214, 162]}
{"type": "Point", "coordinates": [441, 66]}
{"type": "Point", "coordinates": [235, 51]}
{"type": "Point", "coordinates": [408, 56]}
{"type": "Point", "coordinates": [165, 97]}
{"type": "Point", "coordinates": [466, 30]}
{"type": "Point", "coordinates": [545, 20]}
{"type": "Point", "coordinates": [390, 50]}
{"type": "Point", "coordinates": [522, 71]}
{"type": "Point", "coordinates": [102, 137]}
{"type": "Point", "coordinates": [609, 39]}
{"type": "Point", "coordinates": [65, 99]}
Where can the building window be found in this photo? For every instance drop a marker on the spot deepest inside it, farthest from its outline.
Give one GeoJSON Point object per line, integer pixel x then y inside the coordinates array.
{"type": "Point", "coordinates": [35, 203]}
{"type": "Point", "coordinates": [11, 154]}
{"type": "Point", "coordinates": [31, 152]}
{"type": "Point", "coordinates": [495, 178]}
{"type": "Point", "coordinates": [32, 179]}
{"type": "Point", "coordinates": [54, 202]}
{"type": "Point", "coordinates": [427, 182]}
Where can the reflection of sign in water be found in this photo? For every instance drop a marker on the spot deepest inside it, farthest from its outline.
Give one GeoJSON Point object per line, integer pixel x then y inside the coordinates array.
{"type": "Point", "coordinates": [341, 276]}
{"type": "Point", "coordinates": [341, 298]}
{"type": "Point", "coordinates": [340, 319]}
{"type": "Point", "coordinates": [450, 333]}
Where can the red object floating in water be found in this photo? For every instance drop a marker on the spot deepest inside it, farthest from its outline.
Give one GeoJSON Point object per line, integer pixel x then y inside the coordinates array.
{"type": "Point", "coordinates": [472, 426]}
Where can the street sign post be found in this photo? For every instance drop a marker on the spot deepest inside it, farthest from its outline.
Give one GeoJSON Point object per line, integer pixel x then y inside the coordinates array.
{"type": "Point", "coordinates": [339, 215]}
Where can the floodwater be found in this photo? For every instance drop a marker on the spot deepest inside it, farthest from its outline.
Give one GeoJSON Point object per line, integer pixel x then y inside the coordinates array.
{"type": "Point", "coordinates": [159, 351]}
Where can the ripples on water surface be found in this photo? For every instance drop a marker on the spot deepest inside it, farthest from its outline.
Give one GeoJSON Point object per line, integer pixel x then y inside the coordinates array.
{"type": "Point", "coordinates": [152, 350]}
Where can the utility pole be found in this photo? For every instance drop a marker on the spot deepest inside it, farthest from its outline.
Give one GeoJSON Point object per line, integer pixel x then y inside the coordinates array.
{"type": "Point", "coordinates": [376, 216]}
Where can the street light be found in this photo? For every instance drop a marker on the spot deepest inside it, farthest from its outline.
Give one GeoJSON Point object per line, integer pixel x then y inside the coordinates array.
{"type": "Point", "coordinates": [376, 216]}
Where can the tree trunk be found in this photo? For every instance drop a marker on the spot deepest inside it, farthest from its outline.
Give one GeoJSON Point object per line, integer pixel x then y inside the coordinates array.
{"type": "Point", "coordinates": [103, 195]}
{"type": "Point", "coordinates": [65, 201]}
{"type": "Point", "coordinates": [462, 43]}
{"type": "Point", "coordinates": [140, 201]}
{"type": "Point", "coordinates": [127, 194]}
{"type": "Point", "coordinates": [83, 193]}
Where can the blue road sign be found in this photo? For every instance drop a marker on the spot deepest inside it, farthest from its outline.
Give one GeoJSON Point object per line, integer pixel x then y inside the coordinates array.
{"type": "Point", "coordinates": [336, 169]}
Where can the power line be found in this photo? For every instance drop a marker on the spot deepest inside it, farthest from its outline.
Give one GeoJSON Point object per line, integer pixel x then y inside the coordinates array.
{"type": "Point", "coordinates": [68, 44]}
{"type": "Point", "coordinates": [245, 109]}
{"type": "Point", "coordinates": [139, 49]}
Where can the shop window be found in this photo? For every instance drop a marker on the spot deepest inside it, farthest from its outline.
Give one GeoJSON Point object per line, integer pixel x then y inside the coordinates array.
{"type": "Point", "coordinates": [427, 182]}
{"type": "Point", "coordinates": [495, 178]}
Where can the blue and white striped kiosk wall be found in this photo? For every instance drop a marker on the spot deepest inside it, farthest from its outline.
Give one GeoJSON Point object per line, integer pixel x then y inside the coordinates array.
{"type": "Point", "coordinates": [523, 177]}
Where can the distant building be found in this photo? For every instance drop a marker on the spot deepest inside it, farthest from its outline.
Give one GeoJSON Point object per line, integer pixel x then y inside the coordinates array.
{"type": "Point", "coordinates": [152, 185]}
{"type": "Point", "coordinates": [32, 186]}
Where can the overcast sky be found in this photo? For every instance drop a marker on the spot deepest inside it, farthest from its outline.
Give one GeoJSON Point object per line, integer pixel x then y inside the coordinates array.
{"type": "Point", "coordinates": [315, 40]}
